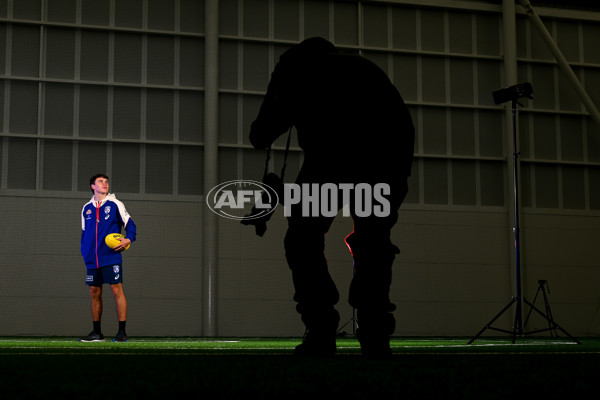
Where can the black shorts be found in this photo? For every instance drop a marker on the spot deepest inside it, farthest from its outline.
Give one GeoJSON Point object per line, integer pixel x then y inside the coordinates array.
{"type": "Point", "coordinates": [111, 275]}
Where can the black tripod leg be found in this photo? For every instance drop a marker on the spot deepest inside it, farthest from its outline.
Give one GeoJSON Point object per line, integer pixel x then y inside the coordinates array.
{"type": "Point", "coordinates": [552, 321]}
{"type": "Point", "coordinates": [548, 313]}
{"type": "Point", "coordinates": [352, 320]}
{"type": "Point", "coordinates": [493, 320]}
{"type": "Point", "coordinates": [530, 310]}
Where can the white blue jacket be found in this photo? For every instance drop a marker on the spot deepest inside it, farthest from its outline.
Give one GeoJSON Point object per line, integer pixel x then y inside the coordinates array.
{"type": "Point", "coordinates": [99, 219]}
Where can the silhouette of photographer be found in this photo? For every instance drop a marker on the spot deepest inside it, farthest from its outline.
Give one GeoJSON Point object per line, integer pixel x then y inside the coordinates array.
{"type": "Point", "coordinates": [353, 127]}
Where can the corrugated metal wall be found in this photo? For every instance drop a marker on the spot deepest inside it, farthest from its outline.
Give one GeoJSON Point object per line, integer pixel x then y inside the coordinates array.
{"type": "Point", "coordinates": [118, 87]}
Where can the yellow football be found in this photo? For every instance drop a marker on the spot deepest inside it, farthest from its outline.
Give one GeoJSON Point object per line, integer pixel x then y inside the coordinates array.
{"type": "Point", "coordinates": [112, 240]}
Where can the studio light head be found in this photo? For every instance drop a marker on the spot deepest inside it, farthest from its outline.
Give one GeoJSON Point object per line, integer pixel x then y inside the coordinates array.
{"type": "Point", "coordinates": [513, 93]}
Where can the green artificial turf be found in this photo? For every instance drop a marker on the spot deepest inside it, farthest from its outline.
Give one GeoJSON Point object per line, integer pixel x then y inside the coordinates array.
{"type": "Point", "coordinates": [283, 346]}
{"type": "Point", "coordinates": [229, 368]}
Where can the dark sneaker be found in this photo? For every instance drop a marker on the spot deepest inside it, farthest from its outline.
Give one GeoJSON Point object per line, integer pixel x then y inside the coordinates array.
{"type": "Point", "coordinates": [93, 337]}
{"type": "Point", "coordinates": [374, 346]}
{"type": "Point", "coordinates": [316, 346]}
{"type": "Point", "coordinates": [121, 336]}
{"type": "Point", "coordinates": [376, 350]}
{"type": "Point", "coordinates": [308, 349]}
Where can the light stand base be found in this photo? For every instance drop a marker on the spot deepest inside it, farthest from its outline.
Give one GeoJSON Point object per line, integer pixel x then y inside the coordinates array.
{"type": "Point", "coordinates": [518, 328]}
{"type": "Point", "coordinates": [354, 323]}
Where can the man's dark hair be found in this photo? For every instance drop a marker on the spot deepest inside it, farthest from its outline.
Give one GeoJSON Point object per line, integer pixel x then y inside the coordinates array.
{"type": "Point", "coordinates": [93, 180]}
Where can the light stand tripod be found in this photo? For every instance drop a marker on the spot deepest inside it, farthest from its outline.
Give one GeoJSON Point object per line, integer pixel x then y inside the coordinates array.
{"type": "Point", "coordinates": [551, 326]}
{"type": "Point", "coordinates": [352, 320]}
{"type": "Point", "coordinates": [513, 93]}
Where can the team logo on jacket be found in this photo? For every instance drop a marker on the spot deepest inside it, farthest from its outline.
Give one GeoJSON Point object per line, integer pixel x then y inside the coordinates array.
{"type": "Point", "coordinates": [107, 209]}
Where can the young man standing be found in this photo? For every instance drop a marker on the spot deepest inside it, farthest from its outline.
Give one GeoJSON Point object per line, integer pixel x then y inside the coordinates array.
{"type": "Point", "coordinates": [100, 216]}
